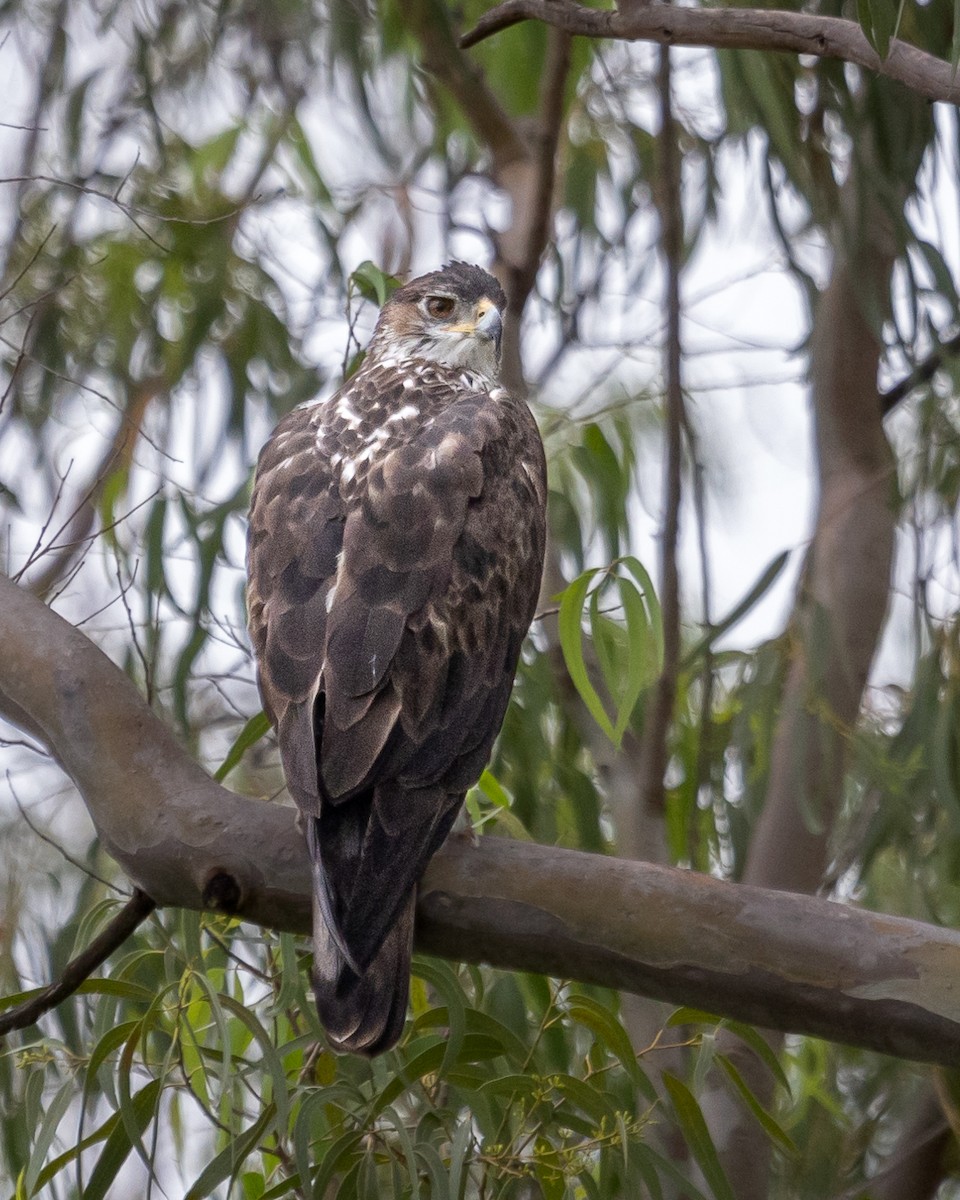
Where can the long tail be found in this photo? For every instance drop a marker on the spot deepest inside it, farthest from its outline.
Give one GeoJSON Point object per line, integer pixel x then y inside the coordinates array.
{"type": "Point", "coordinates": [363, 1013]}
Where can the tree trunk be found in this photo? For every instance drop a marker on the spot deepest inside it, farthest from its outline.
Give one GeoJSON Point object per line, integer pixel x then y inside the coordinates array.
{"type": "Point", "coordinates": [835, 629]}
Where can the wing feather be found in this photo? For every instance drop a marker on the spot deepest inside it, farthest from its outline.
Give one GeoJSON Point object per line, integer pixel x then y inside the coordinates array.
{"type": "Point", "coordinates": [394, 569]}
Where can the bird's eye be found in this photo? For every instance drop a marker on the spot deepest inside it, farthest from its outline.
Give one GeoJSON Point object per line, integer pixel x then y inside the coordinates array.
{"type": "Point", "coordinates": [440, 306]}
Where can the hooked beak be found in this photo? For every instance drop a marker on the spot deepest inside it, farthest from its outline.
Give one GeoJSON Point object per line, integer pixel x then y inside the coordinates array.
{"type": "Point", "coordinates": [489, 323]}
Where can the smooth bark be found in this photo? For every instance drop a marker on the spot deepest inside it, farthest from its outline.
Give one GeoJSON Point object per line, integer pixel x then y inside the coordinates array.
{"type": "Point", "coordinates": [784, 961]}
{"type": "Point", "coordinates": [732, 29]}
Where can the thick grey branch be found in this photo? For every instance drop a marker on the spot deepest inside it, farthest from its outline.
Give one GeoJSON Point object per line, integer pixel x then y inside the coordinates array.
{"type": "Point", "coordinates": [732, 29]}
{"type": "Point", "coordinates": [788, 962]}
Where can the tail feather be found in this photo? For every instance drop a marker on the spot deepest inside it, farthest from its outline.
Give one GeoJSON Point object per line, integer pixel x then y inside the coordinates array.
{"type": "Point", "coordinates": [363, 1013]}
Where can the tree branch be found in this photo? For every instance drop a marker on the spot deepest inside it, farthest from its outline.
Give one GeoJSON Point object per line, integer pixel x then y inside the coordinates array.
{"type": "Point", "coordinates": [659, 714]}
{"type": "Point", "coordinates": [523, 160]}
{"type": "Point", "coordinates": [133, 913]}
{"type": "Point", "coordinates": [922, 373]}
{"type": "Point", "coordinates": [789, 962]}
{"type": "Point", "coordinates": [732, 29]}
{"type": "Point", "coordinates": [491, 123]}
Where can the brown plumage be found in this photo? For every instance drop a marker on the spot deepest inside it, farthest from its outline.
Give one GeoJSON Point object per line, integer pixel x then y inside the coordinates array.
{"type": "Point", "coordinates": [394, 559]}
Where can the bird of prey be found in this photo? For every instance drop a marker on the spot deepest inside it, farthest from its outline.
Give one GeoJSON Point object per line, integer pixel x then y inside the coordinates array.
{"type": "Point", "coordinates": [394, 558]}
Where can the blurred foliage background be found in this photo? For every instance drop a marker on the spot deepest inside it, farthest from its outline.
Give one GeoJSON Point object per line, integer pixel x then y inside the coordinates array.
{"type": "Point", "coordinates": [200, 205]}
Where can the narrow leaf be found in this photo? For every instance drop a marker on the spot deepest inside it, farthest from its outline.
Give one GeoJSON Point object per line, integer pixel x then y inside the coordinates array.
{"type": "Point", "coordinates": [772, 1129]}
{"type": "Point", "coordinates": [642, 667]}
{"type": "Point", "coordinates": [571, 643]}
{"type": "Point", "coordinates": [767, 578]}
{"type": "Point", "coordinates": [119, 1144]}
{"type": "Point", "coordinates": [605, 1025]}
{"type": "Point", "coordinates": [231, 1158]}
{"type": "Point", "coordinates": [649, 592]}
{"type": "Point", "coordinates": [251, 733]}
{"type": "Point", "coordinates": [697, 1136]}
{"type": "Point", "coordinates": [46, 1133]}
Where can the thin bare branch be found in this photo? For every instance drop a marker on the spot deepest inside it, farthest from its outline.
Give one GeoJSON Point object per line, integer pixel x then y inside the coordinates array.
{"type": "Point", "coordinates": [79, 529]}
{"type": "Point", "coordinates": [732, 29]}
{"type": "Point", "coordinates": [134, 913]}
{"type": "Point", "coordinates": [37, 251]}
{"type": "Point", "coordinates": [922, 373]}
{"type": "Point", "coordinates": [660, 712]}
{"type": "Point", "coordinates": [48, 840]}
{"type": "Point", "coordinates": [134, 211]}
{"type": "Point", "coordinates": [429, 22]}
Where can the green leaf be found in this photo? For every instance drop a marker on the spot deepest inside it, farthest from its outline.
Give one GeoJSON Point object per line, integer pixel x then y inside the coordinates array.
{"type": "Point", "coordinates": [119, 1144]}
{"type": "Point", "coordinates": [373, 284]}
{"type": "Point", "coordinates": [226, 1164]}
{"type": "Point", "coordinates": [297, 138]}
{"type": "Point", "coordinates": [880, 23]}
{"type": "Point", "coordinates": [283, 1188]}
{"type": "Point", "coordinates": [683, 1186]}
{"type": "Point", "coordinates": [493, 789]}
{"type": "Point", "coordinates": [344, 1152]}
{"type": "Point", "coordinates": [697, 1136]}
{"type": "Point", "coordinates": [764, 583]}
{"type": "Point", "coordinates": [254, 729]}
{"type": "Point", "coordinates": [112, 1040]}
{"type": "Point", "coordinates": [270, 1060]}
{"type": "Point", "coordinates": [444, 981]}
{"type": "Point", "coordinates": [772, 1129]}
{"type": "Point", "coordinates": [120, 988]}
{"type": "Point", "coordinates": [587, 1097]}
{"type": "Point", "coordinates": [608, 1029]}
{"type": "Point", "coordinates": [409, 1155]}
{"type": "Point", "coordinates": [52, 1117]}
{"type": "Point", "coordinates": [571, 643]}
{"type": "Point", "coordinates": [761, 1047]}
{"type": "Point", "coordinates": [432, 1163]}
{"type": "Point", "coordinates": [955, 43]}
{"type": "Point", "coordinates": [311, 1115]}
{"type": "Point", "coordinates": [64, 1160]}
{"type": "Point", "coordinates": [474, 1048]}
{"type": "Point", "coordinates": [652, 604]}
{"type": "Point", "coordinates": [477, 1021]}
{"type": "Point", "coordinates": [642, 664]}
{"type": "Point", "coordinates": [609, 643]}
{"type": "Point", "coordinates": [460, 1148]}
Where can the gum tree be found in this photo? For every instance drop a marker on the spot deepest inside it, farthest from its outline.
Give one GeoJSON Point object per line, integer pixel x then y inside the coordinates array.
{"type": "Point", "coordinates": [623, 987]}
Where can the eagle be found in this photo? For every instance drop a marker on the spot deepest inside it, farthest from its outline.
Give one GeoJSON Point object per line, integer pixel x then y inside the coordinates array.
{"type": "Point", "coordinates": [395, 550]}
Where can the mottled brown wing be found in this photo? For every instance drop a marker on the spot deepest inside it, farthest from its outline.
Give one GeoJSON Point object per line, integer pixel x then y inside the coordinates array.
{"type": "Point", "coordinates": [396, 544]}
{"type": "Point", "coordinates": [295, 534]}
{"type": "Point", "coordinates": [438, 582]}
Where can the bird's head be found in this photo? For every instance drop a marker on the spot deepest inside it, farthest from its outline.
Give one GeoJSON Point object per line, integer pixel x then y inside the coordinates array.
{"type": "Point", "coordinates": [453, 316]}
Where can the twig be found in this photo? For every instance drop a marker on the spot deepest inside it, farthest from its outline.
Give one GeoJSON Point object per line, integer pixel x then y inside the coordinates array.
{"type": "Point", "coordinates": [732, 29]}
{"type": "Point", "coordinates": [133, 211]}
{"type": "Point", "coordinates": [656, 725]}
{"type": "Point", "coordinates": [707, 672]}
{"type": "Point", "coordinates": [147, 667]}
{"type": "Point", "coordinates": [134, 913]}
{"type": "Point", "coordinates": [552, 87]}
{"type": "Point", "coordinates": [35, 552]}
{"type": "Point", "coordinates": [530, 189]}
{"type": "Point", "coordinates": [155, 381]}
{"type": "Point", "coordinates": [18, 362]}
{"type": "Point", "coordinates": [26, 267]}
{"type": "Point", "coordinates": [478, 103]}
{"type": "Point", "coordinates": [923, 372]}
{"type": "Point", "coordinates": [79, 529]}
{"type": "Point", "coordinates": [45, 837]}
